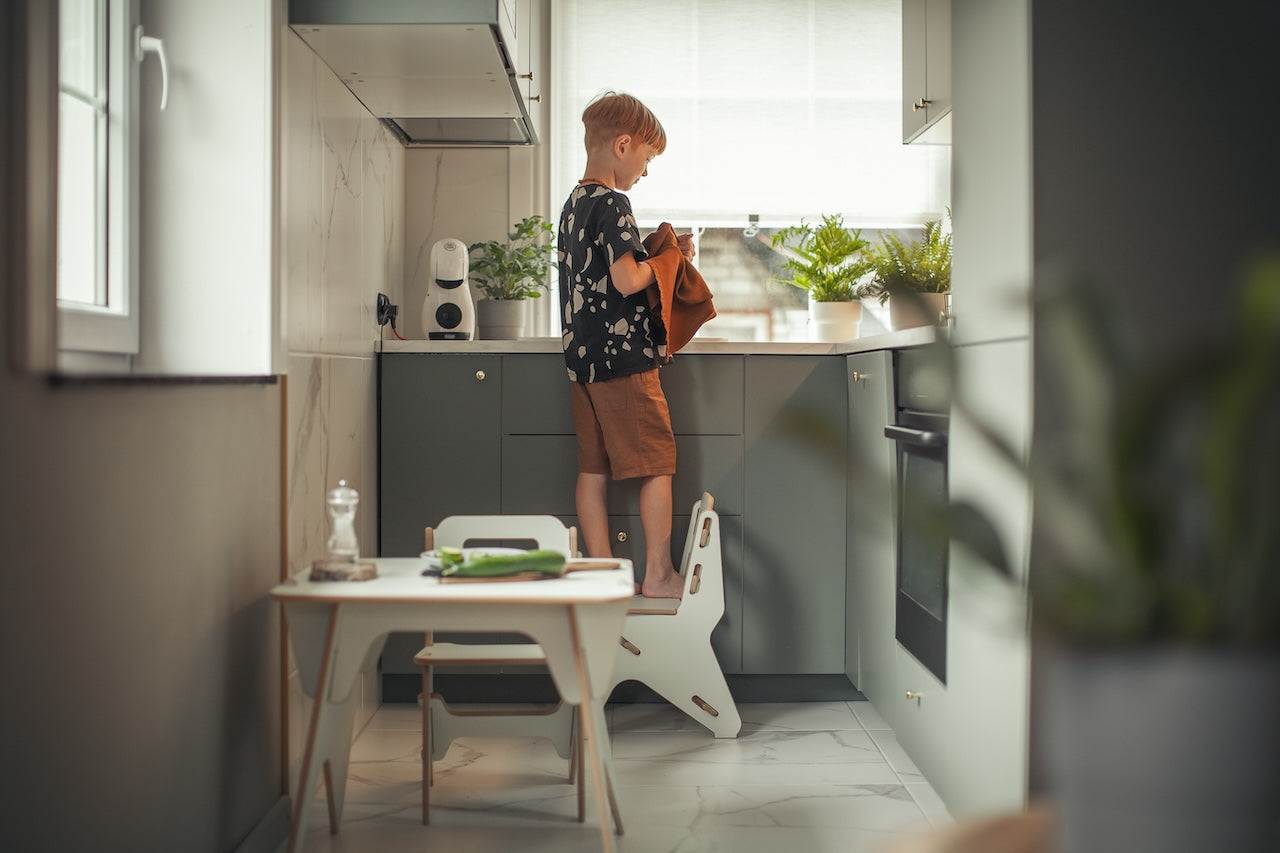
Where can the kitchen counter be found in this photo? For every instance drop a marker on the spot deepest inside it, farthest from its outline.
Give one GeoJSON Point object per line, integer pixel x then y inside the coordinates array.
{"type": "Point", "coordinates": [889, 340]}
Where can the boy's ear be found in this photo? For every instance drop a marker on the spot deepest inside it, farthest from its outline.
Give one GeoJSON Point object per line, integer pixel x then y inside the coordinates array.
{"type": "Point", "coordinates": [621, 144]}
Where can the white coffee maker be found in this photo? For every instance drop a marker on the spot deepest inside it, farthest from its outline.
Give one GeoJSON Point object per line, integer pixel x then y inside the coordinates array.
{"type": "Point", "coordinates": [448, 313]}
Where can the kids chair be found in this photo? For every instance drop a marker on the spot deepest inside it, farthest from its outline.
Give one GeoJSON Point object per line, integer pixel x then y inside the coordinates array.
{"type": "Point", "coordinates": [442, 724]}
{"type": "Point", "coordinates": [666, 643]}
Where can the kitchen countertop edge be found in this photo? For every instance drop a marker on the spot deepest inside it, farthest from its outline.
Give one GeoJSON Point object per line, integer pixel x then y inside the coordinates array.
{"type": "Point", "coordinates": [889, 340]}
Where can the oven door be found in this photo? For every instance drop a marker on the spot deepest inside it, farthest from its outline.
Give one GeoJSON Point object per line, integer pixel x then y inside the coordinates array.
{"type": "Point", "coordinates": [921, 596]}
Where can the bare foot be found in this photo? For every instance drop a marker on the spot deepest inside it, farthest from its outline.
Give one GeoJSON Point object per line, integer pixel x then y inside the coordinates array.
{"type": "Point", "coordinates": [671, 586]}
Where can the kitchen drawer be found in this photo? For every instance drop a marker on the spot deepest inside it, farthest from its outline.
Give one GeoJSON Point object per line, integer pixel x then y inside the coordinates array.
{"type": "Point", "coordinates": [705, 394]}
{"type": "Point", "coordinates": [540, 472]}
{"type": "Point", "coordinates": [535, 395]}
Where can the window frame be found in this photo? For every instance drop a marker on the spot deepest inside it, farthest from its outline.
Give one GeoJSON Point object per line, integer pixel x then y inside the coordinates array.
{"type": "Point", "coordinates": [107, 335]}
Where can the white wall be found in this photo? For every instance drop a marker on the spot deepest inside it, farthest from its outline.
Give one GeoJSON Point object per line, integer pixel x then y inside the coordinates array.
{"type": "Point", "coordinates": [207, 209]}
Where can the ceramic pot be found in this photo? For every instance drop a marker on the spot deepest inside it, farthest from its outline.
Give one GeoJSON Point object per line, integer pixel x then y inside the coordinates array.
{"type": "Point", "coordinates": [1164, 749]}
{"type": "Point", "coordinates": [919, 309]}
{"type": "Point", "coordinates": [501, 319]}
{"type": "Point", "coordinates": [834, 321]}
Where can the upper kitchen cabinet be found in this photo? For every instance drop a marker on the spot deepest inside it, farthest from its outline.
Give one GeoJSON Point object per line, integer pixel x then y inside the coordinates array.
{"type": "Point", "coordinates": [529, 74]}
{"type": "Point", "coordinates": [926, 69]}
{"type": "Point", "coordinates": [992, 217]}
{"type": "Point", "coordinates": [441, 73]}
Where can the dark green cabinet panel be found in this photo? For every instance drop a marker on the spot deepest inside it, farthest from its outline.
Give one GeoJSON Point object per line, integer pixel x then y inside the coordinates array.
{"type": "Point", "coordinates": [794, 515]}
{"type": "Point", "coordinates": [535, 395]}
{"type": "Point", "coordinates": [704, 394]}
{"type": "Point", "coordinates": [439, 424]}
{"type": "Point", "coordinates": [540, 473]}
{"type": "Point", "coordinates": [871, 539]}
{"type": "Point", "coordinates": [498, 430]}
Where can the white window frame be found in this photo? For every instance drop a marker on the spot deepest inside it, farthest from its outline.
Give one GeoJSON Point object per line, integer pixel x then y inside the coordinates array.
{"type": "Point", "coordinates": [106, 336]}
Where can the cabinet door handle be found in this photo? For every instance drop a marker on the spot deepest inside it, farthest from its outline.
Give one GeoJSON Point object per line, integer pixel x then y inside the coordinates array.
{"type": "Point", "coordinates": [920, 104]}
{"type": "Point", "coordinates": [479, 375]}
{"type": "Point", "coordinates": [914, 694]}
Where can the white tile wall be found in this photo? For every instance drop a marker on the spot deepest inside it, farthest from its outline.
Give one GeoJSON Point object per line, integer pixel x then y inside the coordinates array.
{"type": "Point", "coordinates": [342, 212]}
{"type": "Point", "coordinates": [450, 192]}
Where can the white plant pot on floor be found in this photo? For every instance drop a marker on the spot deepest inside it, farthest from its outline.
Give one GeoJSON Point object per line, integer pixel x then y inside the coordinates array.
{"type": "Point", "coordinates": [834, 321]}
{"type": "Point", "coordinates": [501, 319]}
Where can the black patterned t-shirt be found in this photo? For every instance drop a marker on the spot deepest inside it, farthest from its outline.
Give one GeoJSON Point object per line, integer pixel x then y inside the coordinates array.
{"type": "Point", "coordinates": [606, 334]}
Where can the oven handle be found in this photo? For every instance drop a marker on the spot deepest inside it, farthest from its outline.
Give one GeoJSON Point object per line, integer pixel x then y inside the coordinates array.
{"type": "Point", "coordinates": [915, 437]}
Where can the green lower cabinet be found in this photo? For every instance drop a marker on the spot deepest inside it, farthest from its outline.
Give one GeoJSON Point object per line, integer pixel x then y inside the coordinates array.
{"type": "Point", "coordinates": [540, 473]}
{"type": "Point", "coordinates": [793, 609]}
{"type": "Point", "coordinates": [438, 425]}
{"type": "Point", "coordinates": [496, 430]}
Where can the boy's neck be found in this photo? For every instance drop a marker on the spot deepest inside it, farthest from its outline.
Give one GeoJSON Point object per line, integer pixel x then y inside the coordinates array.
{"type": "Point", "coordinates": [599, 171]}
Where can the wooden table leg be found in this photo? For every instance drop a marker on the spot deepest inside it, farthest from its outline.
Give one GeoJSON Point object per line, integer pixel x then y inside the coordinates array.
{"type": "Point", "coordinates": [309, 774]}
{"type": "Point", "coordinates": [591, 722]}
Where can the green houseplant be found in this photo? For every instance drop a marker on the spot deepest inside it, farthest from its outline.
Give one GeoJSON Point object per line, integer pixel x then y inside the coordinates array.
{"type": "Point", "coordinates": [912, 276]}
{"type": "Point", "coordinates": [509, 272]}
{"type": "Point", "coordinates": [828, 261]}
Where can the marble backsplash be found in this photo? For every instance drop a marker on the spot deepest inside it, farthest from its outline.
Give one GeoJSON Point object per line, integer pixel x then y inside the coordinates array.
{"type": "Point", "coordinates": [342, 222]}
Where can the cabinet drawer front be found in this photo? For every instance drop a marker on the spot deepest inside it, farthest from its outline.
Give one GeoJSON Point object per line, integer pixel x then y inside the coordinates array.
{"type": "Point", "coordinates": [535, 395]}
{"type": "Point", "coordinates": [705, 394]}
{"type": "Point", "coordinates": [540, 472]}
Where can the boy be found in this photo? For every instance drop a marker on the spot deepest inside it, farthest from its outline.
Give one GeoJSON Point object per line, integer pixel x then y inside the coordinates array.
{"type": "Point", "coordinates": [619, 411]}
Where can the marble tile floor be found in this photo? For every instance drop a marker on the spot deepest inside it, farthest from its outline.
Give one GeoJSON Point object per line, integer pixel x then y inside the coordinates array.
{"type": "Point", "coordinates": [811, 777]}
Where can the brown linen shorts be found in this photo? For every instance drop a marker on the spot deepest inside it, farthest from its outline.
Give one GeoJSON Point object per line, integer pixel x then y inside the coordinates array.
{"type": "Point", "coordinates": [624, 427]}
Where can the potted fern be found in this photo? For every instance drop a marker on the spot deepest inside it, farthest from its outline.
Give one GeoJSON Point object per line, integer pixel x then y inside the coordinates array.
{"type": "Point", "coordinates": [508, 273]}
{"type": "Point", "coordinates": [826, 260]}
{"type": "Point", "coordinates": [914, 277]}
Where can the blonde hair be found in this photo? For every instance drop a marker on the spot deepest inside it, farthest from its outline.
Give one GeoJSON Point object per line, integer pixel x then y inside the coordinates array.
{"type": "Point", "coordinates": [613, 114]}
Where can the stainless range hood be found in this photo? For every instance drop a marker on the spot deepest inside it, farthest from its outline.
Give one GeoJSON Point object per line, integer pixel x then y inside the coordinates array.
{"type": "Point", "coordinates": [437, 73]}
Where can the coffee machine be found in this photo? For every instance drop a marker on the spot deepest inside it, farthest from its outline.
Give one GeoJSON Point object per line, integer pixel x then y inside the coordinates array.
{"type": "Point", "coordinates": [448, 313]}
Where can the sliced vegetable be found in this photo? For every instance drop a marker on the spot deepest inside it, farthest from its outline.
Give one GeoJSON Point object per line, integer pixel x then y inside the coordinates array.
{"type": "Point", "coordinates": [499, 565]}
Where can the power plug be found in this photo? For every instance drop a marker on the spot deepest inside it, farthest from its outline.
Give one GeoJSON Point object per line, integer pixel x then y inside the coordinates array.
{"type": "Point", "coordinates": [386, 312]}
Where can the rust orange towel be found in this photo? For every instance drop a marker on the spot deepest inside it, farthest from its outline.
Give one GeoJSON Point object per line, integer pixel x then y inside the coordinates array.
{"type": "Point", "coordinates": [679, 289]}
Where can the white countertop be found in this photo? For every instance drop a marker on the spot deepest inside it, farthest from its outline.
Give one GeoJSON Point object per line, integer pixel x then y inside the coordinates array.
{"type": "Point", "coordinates": [890, 340]}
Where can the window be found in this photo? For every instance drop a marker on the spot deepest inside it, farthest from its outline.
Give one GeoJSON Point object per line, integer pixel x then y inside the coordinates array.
{"type": "Point", "coordinates": [775, 113]}
{"type": "Point", "coordinates": [97, 183]}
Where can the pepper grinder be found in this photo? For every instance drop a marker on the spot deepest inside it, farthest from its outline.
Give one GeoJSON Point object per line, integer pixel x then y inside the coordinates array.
{"type": "Point", "coordinates": [344, 547]}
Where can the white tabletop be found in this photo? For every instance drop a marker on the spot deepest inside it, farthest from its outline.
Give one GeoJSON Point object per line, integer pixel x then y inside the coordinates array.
{"type": "Point", "coordinates": [400, 579]}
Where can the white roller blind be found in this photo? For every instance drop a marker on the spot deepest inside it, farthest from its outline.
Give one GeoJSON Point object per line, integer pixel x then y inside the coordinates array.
{"type": "Point", "coordinates": [786, 110]}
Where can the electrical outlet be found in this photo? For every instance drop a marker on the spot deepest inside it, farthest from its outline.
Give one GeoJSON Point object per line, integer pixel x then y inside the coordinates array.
{"type": "Point", "coordinates": [386, 312]}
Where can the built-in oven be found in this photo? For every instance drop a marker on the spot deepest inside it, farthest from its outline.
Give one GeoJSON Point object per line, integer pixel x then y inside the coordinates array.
{"type": "Point", "coordinates": [919, 429]}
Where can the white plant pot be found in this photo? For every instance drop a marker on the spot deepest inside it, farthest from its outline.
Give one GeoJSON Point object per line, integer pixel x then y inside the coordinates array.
{"type": "Point", "coordinates": [834, 321]}
{"type": "Point", "coordinates": [1163, 749]}
{"type": "Point", "coordinates": [501, 319]}
{"type": "Point", "coordinates": [921, 309]}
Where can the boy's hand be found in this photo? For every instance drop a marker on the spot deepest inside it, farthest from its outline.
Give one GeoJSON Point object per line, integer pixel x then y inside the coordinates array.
{"type": "Point", "coordinates": [685, 242]}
